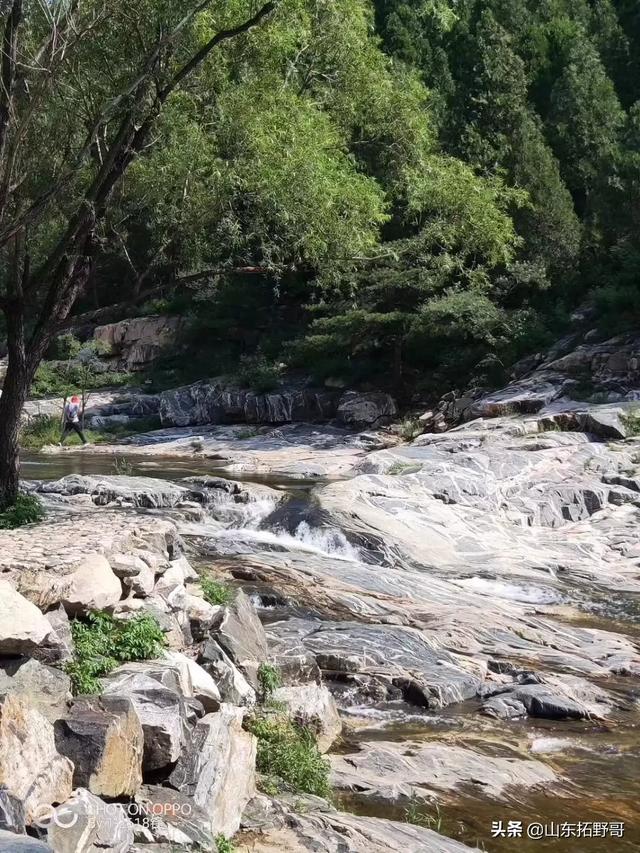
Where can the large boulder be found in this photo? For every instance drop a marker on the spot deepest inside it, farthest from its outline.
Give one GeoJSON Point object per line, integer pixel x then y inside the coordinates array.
{"type": "Point", "coordinates": [173, 820]}
{"type": "Point", "coordinates": [240, 633]}
{"type": "Point", "coordinates": [313, 706]}
{"type": "Point", "coordinates": [91, 586]}
{"type": "Point", "coordinates": [233, 686]}
{"type": "Point", "coordinates": [367, 409]}
{"type": "Point", "coordinates": [44, 688]}
{"type": "Point", "coordinates": [12, 843]}
{"type": "Point", "coordinates": [196, 682]}
{"type": "Point", "coordinates": [86, 824]}
{"type": "Point", "coordinates": [218, 768]}
{"type": "Point", "coordinates": [217, 401]}
{"type": "Point", "coordinates": [32, 771]}
{"type": "Point", "coordinates": [161, 711]}
{"type": "Point", "coordinates": [104, 740]}
{"type": "Point", "coordinates": [23, 628]}
{"type": "Point", "coordinates": [137, 341]}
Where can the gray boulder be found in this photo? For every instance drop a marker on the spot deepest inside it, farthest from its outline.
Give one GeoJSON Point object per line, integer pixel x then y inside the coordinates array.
{"type": "Point", "coordinates": [86, 824]}
{"type": "Point", "coordinates": [217, 770]}
{"type": "Point", "coordinates": [233, 686]}
{"type": "Point", "coordinates": [44, 688]}
{"type": "Point", "coordinates": [11, 843]}
{"type": "Point", "coordinates": [239, 632]}
{"type": "Point", "coordinates": [104, 740]}
{"type": "Point", "coordinates": [366, 410]}
{"type": "Point", "coordinates": [23, 628]}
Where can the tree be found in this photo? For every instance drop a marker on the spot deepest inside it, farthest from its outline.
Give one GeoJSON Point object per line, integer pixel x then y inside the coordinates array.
{"type": "Point", "coordinates": [82, 85]}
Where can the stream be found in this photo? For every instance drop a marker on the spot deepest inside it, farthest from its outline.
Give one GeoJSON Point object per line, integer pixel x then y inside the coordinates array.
{"type": "Point", "coordinates": [599, 761]}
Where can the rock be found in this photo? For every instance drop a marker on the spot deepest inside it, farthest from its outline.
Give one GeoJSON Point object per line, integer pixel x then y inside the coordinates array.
{"type": "Point", "coordinates": [91, 586]}
{"type": "Point", "coordinates": [201, 615]}
{"type": "Point", "coordinates": [318, 827]}
{"type": "Point", "coordinates": [31, 768]}
{"type": "Point", "coordinates": [137, 341]}
{"type": "Point", "coordinates": [104, 740]}
{"type": "Point", "coordinates": [23, 628]}
{"type": "Point", "coordinates": [392, 772]}
{"type": "Point", "coordinates": [314, 707]}
{"type": "Point", "coordinates": [141, 584]}
{"type": "Point", "coordinates": [161, 711]}
{"type": "Point", "coordinates": [174, 818]}
{"type": "Point", "coordinates": [366, 410]}
{"type": "Point", "coordinates": [233, 686]}
{"type": "Point", "coordinates": [240, 633]}
{"type": "Point", "coordinates": [202, 685]}
{"type": "Point", "coordinates": [127, 565]}
{"type": "Point", "coordinates": [86, 824]}
{"type": "Point", "coordinates": [44, 688]}
{"type": "Point", "coordinates": [10, 843]}
{"type": "Point", "coordinates": [556, 698]}
{"type": "Point", "coordinates": [217, 401]}
{"type": "Point", "coordinates": [218, 769]}
{"type": "Point", "coordinates": [143, 492]}
{"type": "Point", "coordinates": [390, 661]}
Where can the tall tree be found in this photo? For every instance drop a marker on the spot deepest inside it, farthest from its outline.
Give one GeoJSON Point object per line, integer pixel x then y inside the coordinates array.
{"type": "Point", "coordinates": [82, 85]}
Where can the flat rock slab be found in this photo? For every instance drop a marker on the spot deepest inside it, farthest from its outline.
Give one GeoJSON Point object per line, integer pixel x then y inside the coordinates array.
{"type": "Point", "coordinates": [400, 772]}
{"type": "Point", "coordinates": [393, 657]}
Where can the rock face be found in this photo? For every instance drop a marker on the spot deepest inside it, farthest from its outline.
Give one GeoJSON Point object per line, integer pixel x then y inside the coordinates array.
{"type": "Point", "coordinates": [161, 712]}
{"type": "Point", "coordinates": [218, 769]}
{"type": "Point", "coordinates": [44, 688]}
{"type": "Point", "coordinates": [313, 706]}
{"type": "Point", "coordinates": [85, 824]}
{"type": "Point", "coordinates": [10, 843]}
{"type": "Point", "coordinates": [136, 342]}
{"type": "Point", "coordinates": [366, 410]}
{"type": "Point", "coordinates": [219, 402]}
{"type": "Point", "coordinates": [396, 773]}
{"type": "Point", "coordinates": [241, 635]}
{"type": "Point", "coordinates": [105, 741]}
{"type": "Point", "coordinates": [23, 628]}
{"type": "Point", "coordinates": [32, 771]}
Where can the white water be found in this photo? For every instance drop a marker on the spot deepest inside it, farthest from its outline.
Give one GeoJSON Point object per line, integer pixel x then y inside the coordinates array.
{"type": "Point", "coordinates": [510, 591]}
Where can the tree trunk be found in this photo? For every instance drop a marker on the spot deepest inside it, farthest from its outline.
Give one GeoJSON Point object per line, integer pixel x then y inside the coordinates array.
{"type": "Point", "coordinates": [14, 393]}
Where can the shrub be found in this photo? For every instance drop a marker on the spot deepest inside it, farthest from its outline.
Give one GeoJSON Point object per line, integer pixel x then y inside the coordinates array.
{"type": "Point", "coordinates": [40, 431]}
{"type": "Point", "coordinates": [64, 347]}
{"type": "Point", "coordinates": [269, 679]}
{"type": "Point", "coordinates": [26, 510]}
{"type": "Point", "coordinates": [257, 373]}
{"type": "Point", "coordinates": [215, 592]}
{"type": "Point", "coordinates": [101, 643]}
{"type": "Point", "coordinates": [224, 845]}
{"type": "Point", "coordinates": [632, 422]}
{"type": "Point", "coordinates": [289, 751]}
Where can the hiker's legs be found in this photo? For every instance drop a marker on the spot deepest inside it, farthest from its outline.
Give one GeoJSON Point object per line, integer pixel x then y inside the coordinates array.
{"type": "Point", "coordinates": [76, 428]}
{"type": "Point", "coordinates": [65, 432]}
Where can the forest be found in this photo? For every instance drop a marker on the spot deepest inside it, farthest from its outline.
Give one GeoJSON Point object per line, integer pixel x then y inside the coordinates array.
{"type": "Point", "coordinates": [402, 193]}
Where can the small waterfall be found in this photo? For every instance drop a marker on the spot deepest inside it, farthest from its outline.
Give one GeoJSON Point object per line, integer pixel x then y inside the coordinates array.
{"type": "Point", "coordinates": [325, 540]}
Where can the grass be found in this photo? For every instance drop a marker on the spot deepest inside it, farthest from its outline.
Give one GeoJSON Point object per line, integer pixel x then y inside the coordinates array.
{"type": "Point", "coordinates": [632, 422]}
{"type": "Point", "coordinates": [415, 814]}
{"type": "Point", "coordinates": [224, 845]}
{"type": "Point", "coordinates": [26, 510]}
{"type": "Point", "coordinates": [410, 428]}
{"type": "Point", "coordinates": [289, 752]}
{"type": "Point", "coordinates": [101, 643]}
{"type": "Point", "coordinates": [43, 430]}
{"type": "Point", "coordinates": [215, 592]}
{"type": "Point", "coordinates": [269, 679]}
{"type": "Point", "coordinates": [402, 468]}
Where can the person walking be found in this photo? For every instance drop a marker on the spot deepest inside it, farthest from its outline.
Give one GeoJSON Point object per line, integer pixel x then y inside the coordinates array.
{"type": "Point", "coordinates": [72, 420]}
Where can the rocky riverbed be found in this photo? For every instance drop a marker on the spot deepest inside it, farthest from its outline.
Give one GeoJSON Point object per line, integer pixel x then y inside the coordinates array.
{"type": "Point", "coordinates": [457, 618]}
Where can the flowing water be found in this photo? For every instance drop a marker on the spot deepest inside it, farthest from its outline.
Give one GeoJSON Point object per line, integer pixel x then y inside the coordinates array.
{"type": "Point", "coordinates": [600, 762]}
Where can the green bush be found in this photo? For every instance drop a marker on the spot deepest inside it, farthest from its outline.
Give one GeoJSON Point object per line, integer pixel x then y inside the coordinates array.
{"type": "Point", "coordinates": [289, 751]}
{"type": "Point", "coordinates": [257, 373]}
{"type": "Point", "coordinates": [61, 378]}
{"type": "Point", "coordinates": [632, 422]}
{"type": "Point", "coordinates": [269, 679]}
{"type": "Point", "coordinates": [224, 845]}
{"type": "Point", "coordinates": [65, 347]}
{"type": "Point", "coordinates": [101, 643]}
{"type": "Point", "coordinates": [215, 592]}
{"type": "Point", "coordinates": [26, 510]}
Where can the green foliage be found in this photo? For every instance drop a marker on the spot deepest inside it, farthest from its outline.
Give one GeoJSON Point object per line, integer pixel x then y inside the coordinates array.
{"type": "Point", "coordinates": [224, 845]}
{"type": "Point", "coordinates": [416, 814]}
{"type": "Point", "coordinates": [632, 422]}
{"type": "Point", "coordinates": [65, 347]}
{"type": "Point", "coordinates": [258, 374]}
{"type": "Point", "coordinates": [101, 643]}
{"type": "Point", "coordinates": [215, 592]}
{"type": "Point", "coordinates": [43, 430]}
{"type": "Point", "coordinates": [269, 679]}
{"type": "Point", "coordinates": [26, 510]}
{"type": "Point", "coordinates": [289, 752]}
{"type": "Point", "coordinates": [62, 378]}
